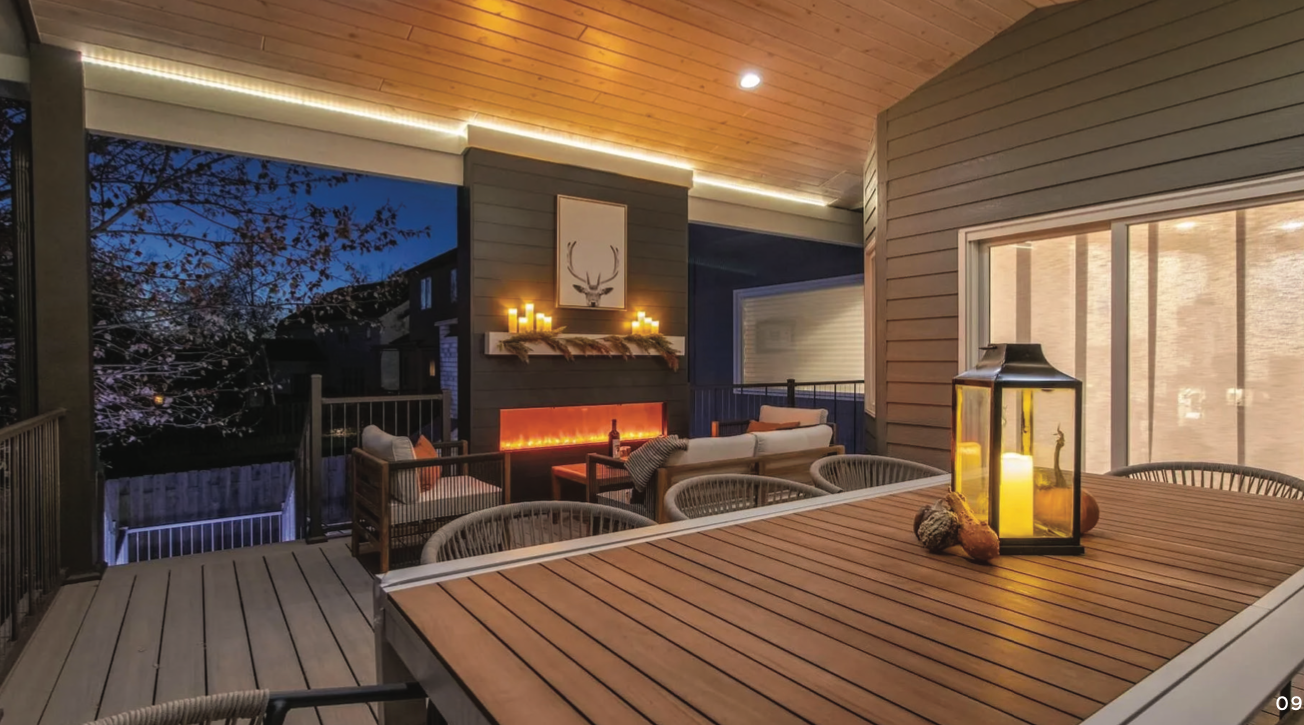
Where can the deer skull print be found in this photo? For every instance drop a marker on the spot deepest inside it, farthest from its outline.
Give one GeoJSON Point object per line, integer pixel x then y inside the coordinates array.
{"type": "Point", "coordinates": [593, 290]}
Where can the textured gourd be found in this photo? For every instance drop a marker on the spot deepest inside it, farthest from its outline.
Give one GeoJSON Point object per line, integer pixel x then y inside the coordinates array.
{"type": "Point", "coordinates": [926, 511]}
{"type": "Point", "coordinates": [977, 538]}
{"type": "Point", "coordinates": [940, 530]}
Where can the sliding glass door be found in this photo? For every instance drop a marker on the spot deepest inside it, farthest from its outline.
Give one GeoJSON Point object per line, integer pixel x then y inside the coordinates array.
{"type": "Point", "coordinates": [1209, 345]}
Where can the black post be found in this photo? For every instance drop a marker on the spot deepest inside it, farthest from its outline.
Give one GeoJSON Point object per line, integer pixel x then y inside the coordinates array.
{"type": "Point", "coordinates": [62, 263]}
{"type": "Point", "coordinates": [20, 181]}
{"type": "Point", "coordinates": [792, 393]}
{"type": "Point", "coordinates": [316, 533]}
{"type": "Point", "coordinates": [446, 402]}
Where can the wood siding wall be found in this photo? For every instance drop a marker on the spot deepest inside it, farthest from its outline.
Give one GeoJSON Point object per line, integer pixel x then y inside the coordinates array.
{"type": "Point", "coordinates": [509, 247]}
{"type": "Point", "coordinates": [1077, 105]}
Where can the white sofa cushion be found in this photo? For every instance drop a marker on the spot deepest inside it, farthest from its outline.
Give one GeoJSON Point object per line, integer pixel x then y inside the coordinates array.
{"type": "Point", "coordinates": [402, 485]}
{"type": "Point", "coordinates": [796, 439]}
{"type": "Point", "coordinates": [800, 416]}
{"type": "Point", "coordinates": [705, 450]}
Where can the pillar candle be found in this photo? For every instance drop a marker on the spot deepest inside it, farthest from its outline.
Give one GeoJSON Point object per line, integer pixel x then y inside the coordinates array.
{"type": "Point", "coordinates": [634, 326]}
{"type": "Point", "coordinates": [656, 327]}
{"type": "Point", "coordinates": [512, 317]}
{"type": "Point", "coordinates": [1016, 496]}
{"type": "Point", "coordinates": [529, 317]}
{"type": "Point", "coordinates": [547, 323]}
{"type": "Point", "coordinates": [641, 315]}
{"type": "Point", "coordinates": [523, 324]}
{"type": "Point", "coordinates": [538, 322]}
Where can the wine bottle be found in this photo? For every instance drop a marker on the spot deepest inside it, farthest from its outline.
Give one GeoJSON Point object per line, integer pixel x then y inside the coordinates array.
{"type": "Point", "coordinates": [613, 441]}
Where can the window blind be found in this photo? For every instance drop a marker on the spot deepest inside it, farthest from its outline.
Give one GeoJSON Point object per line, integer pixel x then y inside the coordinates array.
{"type": "Point", "coordinates": [809, 335]}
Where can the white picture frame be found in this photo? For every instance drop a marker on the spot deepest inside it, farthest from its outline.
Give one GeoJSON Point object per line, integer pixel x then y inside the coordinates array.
{"type": "Point", "coordinates": [592, 264]}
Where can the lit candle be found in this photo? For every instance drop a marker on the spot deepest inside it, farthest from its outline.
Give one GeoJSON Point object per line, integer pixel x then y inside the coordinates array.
{"type": "Point", "coordinates": [538, 322]}
{"type": "Point", "coordinates": [547, 323]}
{"type": "Point", "coordinates": [634, 326]}
{"type": "Point", "coordinates": [641, 315]}
{"type": "Point", "coordinates": [523, 324]}
{"type": "Point", "coordinates": [656, 327]}
{"type": "Point", "coordinates": [512, 317]}
{"type": "Point", "coordinates": [969, 474]}
{"type": "Point", "coordinates": [1016, 496]}
{"type": "Point", "coordinates": [529, 316]}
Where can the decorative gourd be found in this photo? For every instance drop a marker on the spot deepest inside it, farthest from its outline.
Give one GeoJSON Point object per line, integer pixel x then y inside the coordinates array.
{"type": "Point", "coordinates": [977, 538]}
{"type": "Point", "coordinates": [940, 530]}
{"type": "Point", "coordinates": [1090, 512]}
{"type": "Point", "coordinates": [926, 511]}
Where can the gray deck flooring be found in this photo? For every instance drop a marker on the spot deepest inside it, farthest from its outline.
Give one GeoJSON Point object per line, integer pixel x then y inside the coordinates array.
{"type": "Point", "coordinates": [285, 616]}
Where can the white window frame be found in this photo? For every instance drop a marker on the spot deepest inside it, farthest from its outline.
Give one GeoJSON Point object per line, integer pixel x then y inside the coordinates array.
{"type": "Point", "coordinates": [975, 243]}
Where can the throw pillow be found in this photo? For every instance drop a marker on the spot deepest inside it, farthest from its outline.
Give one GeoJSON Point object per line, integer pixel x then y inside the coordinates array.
{"type": "Point", "coordinates": [425, 451]}
{"type": "Point", "coordinates": [760, 426]}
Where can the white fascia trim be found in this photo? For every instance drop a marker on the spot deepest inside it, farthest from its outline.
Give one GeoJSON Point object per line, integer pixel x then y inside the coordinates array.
{"type": "Point", "coordinates": [754, 213]}
{"type": "Point", "coordinates": [202, 128]}
{"type": "Point", "coordinates": [15, 68]}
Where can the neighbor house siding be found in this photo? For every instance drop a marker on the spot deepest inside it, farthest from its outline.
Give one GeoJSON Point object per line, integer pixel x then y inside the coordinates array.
{"type": "Point", "coordinates": [1078, 105]}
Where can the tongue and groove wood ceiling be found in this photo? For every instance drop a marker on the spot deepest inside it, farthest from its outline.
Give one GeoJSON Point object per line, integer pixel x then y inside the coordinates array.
{"type": "Point", "coordinates": [657, 75]}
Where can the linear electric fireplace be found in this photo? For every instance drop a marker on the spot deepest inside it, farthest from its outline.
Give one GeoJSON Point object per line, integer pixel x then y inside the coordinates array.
{"type": "Point", "coordinates": [579, 425]}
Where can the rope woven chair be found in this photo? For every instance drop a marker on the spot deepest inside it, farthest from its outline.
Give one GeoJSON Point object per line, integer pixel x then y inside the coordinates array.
{"type": "Point", "coordinates": [722, 493]}
{"type": "Point", "coordinates": [258, 707]}
{"type": "Point", "coordinates": [836, 474]}
{"type": "Point", "coordinates": [518, 525]}
{"type": "Point", "coordinates": [1221, 476]}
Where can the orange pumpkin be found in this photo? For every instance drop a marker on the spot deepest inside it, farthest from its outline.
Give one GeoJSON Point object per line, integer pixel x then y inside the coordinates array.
{"type": "Point", "coordinates": [1056, 504]}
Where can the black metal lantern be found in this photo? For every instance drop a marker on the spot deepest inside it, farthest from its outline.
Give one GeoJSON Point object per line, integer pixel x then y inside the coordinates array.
{"type": "Point", "coordinates": [1016, 449]}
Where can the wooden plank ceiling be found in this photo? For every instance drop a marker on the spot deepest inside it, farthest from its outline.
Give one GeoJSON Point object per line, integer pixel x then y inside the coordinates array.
{"type": "Point", "coordinates": [657, 75]}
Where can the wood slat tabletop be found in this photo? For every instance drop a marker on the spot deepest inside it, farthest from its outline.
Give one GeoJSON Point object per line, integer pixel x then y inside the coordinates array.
{"type": "Point", "coordinates": [838, 615]}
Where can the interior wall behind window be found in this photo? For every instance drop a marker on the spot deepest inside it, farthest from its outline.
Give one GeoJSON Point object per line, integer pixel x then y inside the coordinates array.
{"type": "Point", "coordinates": [810, 335]}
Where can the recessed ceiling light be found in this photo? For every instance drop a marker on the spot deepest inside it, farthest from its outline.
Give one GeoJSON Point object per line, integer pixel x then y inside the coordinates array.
{"type": "Point", "coordinates": [749, 80]}
{"type": "Point", "coordinates": [1186, 226]}
{"type": "Point", "coordinates": [1293, 226]}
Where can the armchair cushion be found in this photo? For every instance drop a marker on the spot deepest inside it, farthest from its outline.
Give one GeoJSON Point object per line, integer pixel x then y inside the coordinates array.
{"type": "Point", "coordinates": [403, 485]}
{"type": "Point", "coordinates": [796, 439]}
{"type": "Point", "coordinates": [801, 416]}
{"type": "Point", "coordinates": [705, 450]}
{"type": "Point", "coordinates": [425, 450]}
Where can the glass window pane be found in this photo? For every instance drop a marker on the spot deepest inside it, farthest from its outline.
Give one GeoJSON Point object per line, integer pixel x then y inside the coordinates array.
{"type": "Point", "coordinates": [973, 416]}
{"type": "Point", "coordinates": [1056, 292]}
{"type": "Point", "coordinates": [1037, 458]}
{"type": "Point", "coordinates": [813, 335]}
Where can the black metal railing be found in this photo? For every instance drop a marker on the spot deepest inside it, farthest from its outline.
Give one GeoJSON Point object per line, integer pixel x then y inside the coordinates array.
{"type": "Point", "coordinates": [333, 428]}
{"type": "Point", "coordinates": [843, 399]}
{"type": "Point", "coordinates": [29, 526]}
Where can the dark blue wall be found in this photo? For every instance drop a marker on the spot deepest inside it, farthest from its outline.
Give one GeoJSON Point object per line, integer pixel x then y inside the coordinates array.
{"type": "Point", "coordinates": [723, 260]}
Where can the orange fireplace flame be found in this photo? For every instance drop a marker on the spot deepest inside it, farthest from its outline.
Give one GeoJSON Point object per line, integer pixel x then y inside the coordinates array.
{"type": "Point", "coordinates": [522, 428]}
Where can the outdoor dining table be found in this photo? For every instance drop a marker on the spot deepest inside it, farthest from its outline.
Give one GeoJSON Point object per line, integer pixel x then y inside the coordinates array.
{"type": "Point", "coordinates": [1185, 608]}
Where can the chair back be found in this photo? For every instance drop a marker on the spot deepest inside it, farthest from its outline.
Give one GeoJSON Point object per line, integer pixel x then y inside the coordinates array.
{"type": "Point", "coordinates": [1221, 476]}
{"type": "Point", "coordinates": [519, 525]}
{"type": "Point", "coordinates": [854, 472]}
{"type": "Point", "coordinates": [724, 493]}
{"type": "Point", "coordinates": [249, 706]}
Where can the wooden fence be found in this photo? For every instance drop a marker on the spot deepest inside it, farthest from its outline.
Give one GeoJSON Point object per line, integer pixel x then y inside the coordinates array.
{"type": "Point", "coordinates": [169, 498]}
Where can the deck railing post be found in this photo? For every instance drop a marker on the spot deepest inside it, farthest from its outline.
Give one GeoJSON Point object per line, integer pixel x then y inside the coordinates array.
{"type": "Point", "coordinates": [446, 416]}
{"type": "Point", "coordinates": [792, 393]}
{"type": "Point", "coordinates": [315, 533]}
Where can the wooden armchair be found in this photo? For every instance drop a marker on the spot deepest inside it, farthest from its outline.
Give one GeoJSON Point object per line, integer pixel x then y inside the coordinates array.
{"type": "Point", "coordinates": [397, 505]}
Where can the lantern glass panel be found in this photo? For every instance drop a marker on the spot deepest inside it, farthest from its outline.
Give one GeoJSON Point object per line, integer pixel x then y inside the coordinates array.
{"type": "Point", "coordinates": [1038, 438]}
{"type": "Point", "coordinates": [973, 441]}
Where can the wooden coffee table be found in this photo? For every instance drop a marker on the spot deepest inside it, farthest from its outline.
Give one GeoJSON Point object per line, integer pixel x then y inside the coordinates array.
{"type": "Point", "coordinates": [578, 473]}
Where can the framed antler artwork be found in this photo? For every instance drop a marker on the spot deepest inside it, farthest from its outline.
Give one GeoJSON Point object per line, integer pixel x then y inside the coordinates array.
{"type": "Point", "coordinates": [591, 265]}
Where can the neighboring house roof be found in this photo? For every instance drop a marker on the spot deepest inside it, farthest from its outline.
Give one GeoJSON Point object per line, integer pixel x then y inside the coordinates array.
{"type": "Point", "coordinates": [448, 258]}
{"type": "Point", "coordinates": [368, 301]}
{"type": "Point", "coordinates": [291, 350]}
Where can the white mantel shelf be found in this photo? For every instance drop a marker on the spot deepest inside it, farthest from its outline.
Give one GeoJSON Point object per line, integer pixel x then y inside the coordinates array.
{"type": "Point", "coordinates": [491, 340]}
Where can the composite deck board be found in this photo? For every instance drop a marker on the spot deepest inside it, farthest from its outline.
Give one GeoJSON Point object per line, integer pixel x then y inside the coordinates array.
{"type": "Point", "coordinates": [165, 630]}
{"type": "Point", "coordinates": [27, 689]}
{"type": "Point", "coordinates": [355, 578]}
{"type": "Point", "coordinates": [134, 672]}
{"type": "Point", "coordinates": [838, 615]}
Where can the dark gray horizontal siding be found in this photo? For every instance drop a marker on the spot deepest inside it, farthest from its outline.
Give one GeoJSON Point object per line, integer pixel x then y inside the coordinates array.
{"type": "Point", "coordinates": [1098, 101]}
{"type": "Point", "coordinates": [511, 209]}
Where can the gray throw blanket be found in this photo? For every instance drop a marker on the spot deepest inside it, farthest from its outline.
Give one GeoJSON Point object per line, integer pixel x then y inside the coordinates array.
{"type": "Point", "coordinates": [643, 463]}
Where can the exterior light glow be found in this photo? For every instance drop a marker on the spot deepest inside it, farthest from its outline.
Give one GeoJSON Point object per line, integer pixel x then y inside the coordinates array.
{"type": "Point", "coordinates": [291, 98]}
{"type": "Point", "coordinates": [1187, 226]}
{"type": "Point", "coordinates": [750, 80]}
{"type": "Point", "coordinates": [611, 149]}
{"type": "Point", "coordinates": [1293, 226]}
{"type": "Point", "coordinates": [773, 194]}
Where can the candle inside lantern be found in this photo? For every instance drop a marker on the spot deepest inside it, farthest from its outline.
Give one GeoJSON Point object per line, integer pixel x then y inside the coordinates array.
{"type": "Point", "coordinates": [538, 321]}
{"type": "Point", "coordinates": [523, 324]}
{"type": "Point", "coordinates": [656, 327]}
{"type": "Point", "coordinates": [1016, 496]}
{"type": "Point", "coordinates": [512, 318]}
{"type": "Point", "coordinates": [547, 323]}
{"type": "Point", "coordinates": [529, 316]}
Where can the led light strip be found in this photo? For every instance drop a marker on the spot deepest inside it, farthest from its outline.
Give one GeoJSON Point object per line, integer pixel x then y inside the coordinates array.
{"type": "Point", "coordinates": [274, 96]}
{"type": "Point", "coordinates": [410, 122]}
